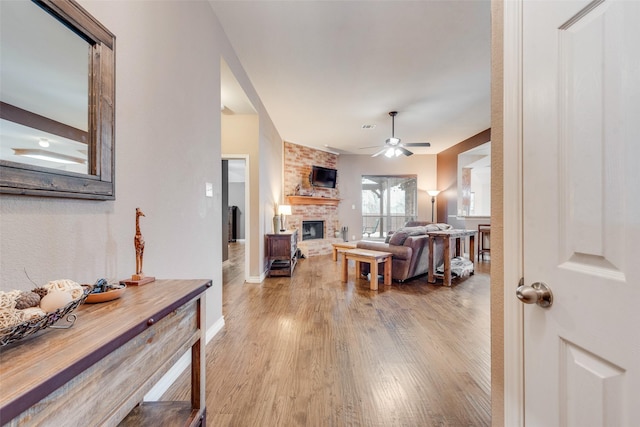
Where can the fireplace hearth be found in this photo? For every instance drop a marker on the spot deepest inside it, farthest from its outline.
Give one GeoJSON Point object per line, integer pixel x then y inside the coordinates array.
{"type": "Point", "coordinates": [312, 230]}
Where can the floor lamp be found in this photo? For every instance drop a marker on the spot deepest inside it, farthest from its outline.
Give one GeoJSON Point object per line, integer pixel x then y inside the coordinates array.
{"type": "Point", "coordinates": [433, 194]}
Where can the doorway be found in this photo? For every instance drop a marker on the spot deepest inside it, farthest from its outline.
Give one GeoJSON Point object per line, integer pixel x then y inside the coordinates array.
{"type": "Point", "coordinates": [234, 202]}
{"type": "Point", "coordinates": [239, 142]}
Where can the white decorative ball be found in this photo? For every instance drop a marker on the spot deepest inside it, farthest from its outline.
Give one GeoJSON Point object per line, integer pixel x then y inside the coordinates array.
{"type": "Point", "coordinates": [55, 300]}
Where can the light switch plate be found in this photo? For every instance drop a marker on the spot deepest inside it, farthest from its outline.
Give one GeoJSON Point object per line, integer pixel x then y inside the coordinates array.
{"type": "Point", "coordinates": [208, 189]}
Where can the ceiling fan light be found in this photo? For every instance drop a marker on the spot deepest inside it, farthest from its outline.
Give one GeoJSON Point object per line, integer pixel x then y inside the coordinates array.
{"type": "Point", "coordinates": [393, 141]}
{"type": "Point", "coordinates": [389, 153]}
{"type": "Point", "coordinates": [47, 156]}
{"type": "Point", "coordinates": [397, 152]}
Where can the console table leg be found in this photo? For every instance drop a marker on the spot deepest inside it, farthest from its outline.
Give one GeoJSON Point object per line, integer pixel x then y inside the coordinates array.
{"type": "Point", "coordinates": [472, 249]}
{"type": "Point", "coordinates": [432, 255]}
{"type": "Point", "coordinates": [447, 262]}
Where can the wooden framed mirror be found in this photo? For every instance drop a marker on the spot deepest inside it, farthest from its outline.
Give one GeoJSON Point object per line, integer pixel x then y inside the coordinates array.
{"type": "Point", "coordinates": [57, 113]}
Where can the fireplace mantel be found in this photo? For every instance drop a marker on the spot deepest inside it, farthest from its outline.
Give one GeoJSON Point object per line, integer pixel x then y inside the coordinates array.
{"type": "Point", "coordinates": [310, 200]}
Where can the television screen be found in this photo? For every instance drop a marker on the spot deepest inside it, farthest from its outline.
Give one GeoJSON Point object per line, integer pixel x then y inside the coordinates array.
{"type": "Point", "coordinates": [323, 177]}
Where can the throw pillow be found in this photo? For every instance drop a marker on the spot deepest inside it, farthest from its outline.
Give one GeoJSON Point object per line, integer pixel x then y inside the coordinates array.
{"type": "Point", "coordinates": [398, 238]}
{"type": "Point", "coordinates": [389, 234]}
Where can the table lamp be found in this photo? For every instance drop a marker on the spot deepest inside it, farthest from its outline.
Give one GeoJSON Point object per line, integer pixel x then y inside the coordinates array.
{"type": "Point", "coordinates": [283, 211]}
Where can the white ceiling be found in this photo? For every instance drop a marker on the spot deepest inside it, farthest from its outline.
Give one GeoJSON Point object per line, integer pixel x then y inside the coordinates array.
{"type": "Point", "coordinates": [325, 68]}
{"type": "Point", "coordinates": [232, 97]}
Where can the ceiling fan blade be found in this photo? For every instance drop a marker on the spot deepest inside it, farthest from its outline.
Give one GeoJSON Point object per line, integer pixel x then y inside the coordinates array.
{"type": "Point", "coordinates": [376, 154]}
{"type": "Point", "coordinates": [417, 144]}
{"type": "Point", "coordinates": [371, 146]}
{"type": "Point", "coordinates": [404, 151]}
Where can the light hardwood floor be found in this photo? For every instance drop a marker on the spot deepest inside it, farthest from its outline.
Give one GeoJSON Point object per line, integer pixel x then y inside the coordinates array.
{"type": "Point", "coordinates": [312, 351]}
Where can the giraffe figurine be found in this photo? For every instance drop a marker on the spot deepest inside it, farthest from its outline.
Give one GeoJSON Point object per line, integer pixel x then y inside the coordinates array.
{"type": "Point", "coordinates": [138, 242]}
{"type": "Point", "coordinates": [139, 278]}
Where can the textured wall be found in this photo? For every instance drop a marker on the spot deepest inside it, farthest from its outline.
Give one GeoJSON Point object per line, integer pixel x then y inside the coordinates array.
{"type": "Point", "coordinates": [298, 161]}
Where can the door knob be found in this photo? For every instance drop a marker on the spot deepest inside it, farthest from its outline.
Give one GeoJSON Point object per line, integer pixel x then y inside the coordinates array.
{"type": "Point", "coordinates": [538, 293]}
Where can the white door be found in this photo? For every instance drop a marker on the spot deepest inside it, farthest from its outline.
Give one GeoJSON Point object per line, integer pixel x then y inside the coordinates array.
{"type": "Point", "coordinates": [581, 133]}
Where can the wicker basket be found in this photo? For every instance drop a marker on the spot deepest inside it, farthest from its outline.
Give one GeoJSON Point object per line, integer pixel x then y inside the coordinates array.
{"type": "Point", "coordinates": [30, 327]}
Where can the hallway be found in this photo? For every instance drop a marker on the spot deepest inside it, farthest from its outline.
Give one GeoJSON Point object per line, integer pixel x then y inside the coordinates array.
{"type": "Point", "coordinates": [312, 351]}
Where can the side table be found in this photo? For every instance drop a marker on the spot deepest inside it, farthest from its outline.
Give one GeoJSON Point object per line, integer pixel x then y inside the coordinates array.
{"type": "Point", "coordinates": [281, 252]}
{"type": "Point", "coordinates": [448, 236]}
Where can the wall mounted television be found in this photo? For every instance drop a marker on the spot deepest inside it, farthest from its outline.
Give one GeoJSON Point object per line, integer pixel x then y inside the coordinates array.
{"type": "Point", "coordinates": [323, 177]}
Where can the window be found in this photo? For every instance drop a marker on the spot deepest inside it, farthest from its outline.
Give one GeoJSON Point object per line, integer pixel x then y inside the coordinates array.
{"type": "Point", "coordinates": [388, 202]}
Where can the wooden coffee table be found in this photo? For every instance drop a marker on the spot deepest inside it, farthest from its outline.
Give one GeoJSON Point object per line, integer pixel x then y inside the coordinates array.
{"type": "Point", "coordinates": [341, 247]}
{"type": "Point", "coordinates": [371, 257]}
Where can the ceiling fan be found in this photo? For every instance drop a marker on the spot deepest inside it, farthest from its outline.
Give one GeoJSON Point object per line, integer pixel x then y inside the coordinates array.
{"type": "Point", "coordinates": [393, 147]}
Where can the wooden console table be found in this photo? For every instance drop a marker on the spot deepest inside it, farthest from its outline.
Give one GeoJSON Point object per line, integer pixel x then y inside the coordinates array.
{"type": "Point", "coordinates": [98, 371]}
{"type": "Point", "coordinates": [447, 236]}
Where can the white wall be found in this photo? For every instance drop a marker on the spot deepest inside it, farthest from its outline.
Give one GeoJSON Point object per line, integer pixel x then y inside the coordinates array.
{"type": "Point", "coordinates": [352, 167]}
{"type": "Point", "coordinates": [240, 135]}
{"type": "Point", "coordinates": [167, 147]}
{"type": "Point", "coordinates": [481, 187]}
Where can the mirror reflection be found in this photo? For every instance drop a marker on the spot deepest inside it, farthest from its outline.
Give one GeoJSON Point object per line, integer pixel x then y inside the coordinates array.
{"type": "Point", "coordinates": [44, 90]}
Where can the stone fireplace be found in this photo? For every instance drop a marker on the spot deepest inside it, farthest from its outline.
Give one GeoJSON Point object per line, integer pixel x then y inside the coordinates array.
{"type": "Point", "coordinates": [312, 230]}
{"type": "Point", "coordinates": [316, 221]}
{"type": "Point", "coordinates": [310, 204]}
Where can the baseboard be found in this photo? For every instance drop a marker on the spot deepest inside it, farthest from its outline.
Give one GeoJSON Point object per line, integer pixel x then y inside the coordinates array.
{"type": "Point", "coordinates": [256, 279]}
{"type": "Point", "coordinates": [214, 329]}
{"type": "Point", "coordinates": [183, 363]}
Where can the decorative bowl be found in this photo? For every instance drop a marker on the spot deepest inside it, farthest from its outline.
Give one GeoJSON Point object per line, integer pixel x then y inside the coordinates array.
{"type": "Point", "coordinates": [106, 296]}
{"type": "Point", "coordinates": [29, 327]}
